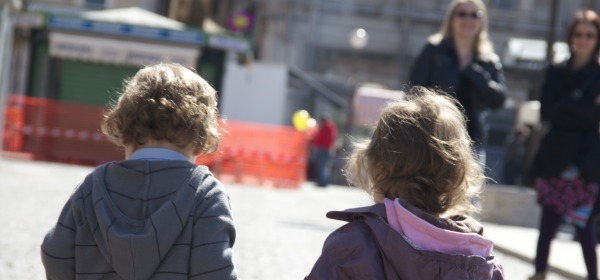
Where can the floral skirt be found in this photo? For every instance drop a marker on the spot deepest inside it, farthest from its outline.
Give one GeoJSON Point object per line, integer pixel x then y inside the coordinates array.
{"type": "Point", "coordinates": [572, 198]}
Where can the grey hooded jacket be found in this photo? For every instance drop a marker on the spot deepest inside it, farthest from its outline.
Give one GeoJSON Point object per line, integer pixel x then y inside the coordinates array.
{"type": "Point", "coordinates": [368, 248]}
{"type": "Point", "coordinates": [139, 219]}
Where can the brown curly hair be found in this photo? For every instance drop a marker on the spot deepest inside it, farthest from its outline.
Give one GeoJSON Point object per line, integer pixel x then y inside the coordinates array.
{"type": "Point", "coordinates": [420, 151]}
{"type": "Point", "coordinates": [165, 102]}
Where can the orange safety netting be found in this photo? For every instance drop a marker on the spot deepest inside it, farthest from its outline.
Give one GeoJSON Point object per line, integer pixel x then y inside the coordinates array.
{"type": "Point", "coordinates": [57, 131]}
{"type": "Point", "coordinates": [249, 153]}
{"type": "Point", "coordinates": [262, 154]}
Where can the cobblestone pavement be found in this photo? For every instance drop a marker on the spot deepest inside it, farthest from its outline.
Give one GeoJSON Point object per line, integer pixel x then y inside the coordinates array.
{"type": "Point", "coordinates": [280, 232]}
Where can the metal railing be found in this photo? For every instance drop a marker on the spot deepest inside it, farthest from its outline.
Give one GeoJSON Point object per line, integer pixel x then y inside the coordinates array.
{"type": "Point", "coordinates": [314, 84]}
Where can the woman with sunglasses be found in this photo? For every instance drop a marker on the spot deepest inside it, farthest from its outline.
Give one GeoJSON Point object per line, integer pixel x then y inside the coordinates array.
{"type": "Point", "coordinates": [566, 166]}
{"type": "Point", "coordinates": [460, 60]}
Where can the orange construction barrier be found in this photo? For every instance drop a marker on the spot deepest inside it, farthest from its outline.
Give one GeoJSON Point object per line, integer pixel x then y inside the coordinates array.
{"type": "Point", "coordinates": [13, 124]}
{"type": "Point", "coordinates": [58, 131]}
{"type": "Point", "coordinates": [259, 154]}
{"type": "Point", "coordinates": [249, 153]}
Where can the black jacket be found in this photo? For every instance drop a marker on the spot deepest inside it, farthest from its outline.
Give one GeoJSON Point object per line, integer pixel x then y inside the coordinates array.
{"type": "Point", "coordinates": [438, 66]}
{"type": "Point", "coordinates": [567, 104]}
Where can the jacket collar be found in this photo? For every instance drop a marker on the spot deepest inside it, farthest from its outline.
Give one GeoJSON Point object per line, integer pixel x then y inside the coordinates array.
{"type": "Point", "coordinates": [447, 44]}
{"type": "Point", "coordinates": [455, 223]}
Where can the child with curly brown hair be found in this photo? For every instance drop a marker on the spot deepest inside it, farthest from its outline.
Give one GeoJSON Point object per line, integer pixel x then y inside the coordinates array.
{"type": "Point", "coordinates": [421, 171]}
{"type": "Point", "coordinates": [156, 214]}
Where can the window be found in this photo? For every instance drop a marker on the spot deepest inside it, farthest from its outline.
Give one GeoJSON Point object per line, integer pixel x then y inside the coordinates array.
{"type": "Point", "coordinates": [504, 4]}
{"type": "Point", "coordinates": [95, 4]}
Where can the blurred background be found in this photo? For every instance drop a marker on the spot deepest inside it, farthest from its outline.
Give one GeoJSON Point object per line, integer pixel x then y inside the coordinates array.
{"type": "Point", "coordinates": [62, 61]}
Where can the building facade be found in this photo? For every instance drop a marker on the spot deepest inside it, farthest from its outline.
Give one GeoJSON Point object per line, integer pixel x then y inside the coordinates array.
{"type": "Point", "coordinates": [314, 35]}
{"type": "Point", "coordinates": [317, 37]}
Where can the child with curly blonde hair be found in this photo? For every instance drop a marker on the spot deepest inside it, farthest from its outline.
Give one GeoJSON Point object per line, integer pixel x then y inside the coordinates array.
{"type": "Point", "coordinates": [156, 214]}
{"type": "Point", "coordinates": [420, 169]}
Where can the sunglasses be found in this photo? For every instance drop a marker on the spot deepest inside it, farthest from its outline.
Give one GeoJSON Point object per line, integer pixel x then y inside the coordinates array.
{"type": "Point", "coordinates": [588, 35]}
{"type": "Point", "coordinates": [471, 15]}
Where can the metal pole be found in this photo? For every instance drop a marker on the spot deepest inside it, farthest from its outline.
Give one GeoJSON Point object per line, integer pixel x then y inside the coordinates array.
{"type": "Point", "coordinates": [6, 41]}
{"type": "Point", "coordinates": [589, 4]}
{"type": "Point", "coordinates": [551, 38]}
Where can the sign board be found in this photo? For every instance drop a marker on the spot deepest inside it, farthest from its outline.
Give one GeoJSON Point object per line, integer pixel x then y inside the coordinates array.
{"type": "Point", "coordinates": [188, 36]}
{"type": "Point", "coordinates": [105, 50]}
{"type": "Point", "coordinates": [255, 93]}
{"type": "Point", "coordinates": [368, 102]}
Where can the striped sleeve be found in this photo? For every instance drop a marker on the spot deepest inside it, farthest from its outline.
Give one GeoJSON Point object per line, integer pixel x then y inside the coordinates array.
{"type": "Point", "coordinates": [58, 247]}
{"type": "Point", "coordinates": [213, 237]}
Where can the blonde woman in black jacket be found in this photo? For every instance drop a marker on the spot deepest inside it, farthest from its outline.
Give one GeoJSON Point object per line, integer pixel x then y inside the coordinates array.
{"type": "Point", "coordinates": [567, 163]}
{"type": "Point", "coordinates": [460, 60]}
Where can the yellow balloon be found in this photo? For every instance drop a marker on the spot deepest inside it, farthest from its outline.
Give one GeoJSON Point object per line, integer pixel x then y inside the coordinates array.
{"type": "Point", "coordinates": [300, 120]}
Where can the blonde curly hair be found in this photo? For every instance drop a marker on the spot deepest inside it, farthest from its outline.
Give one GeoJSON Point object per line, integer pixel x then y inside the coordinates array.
{"type": "Point", "coordinates": [420, 151]}
{"type": "Point", "coordinates": [165, 102]}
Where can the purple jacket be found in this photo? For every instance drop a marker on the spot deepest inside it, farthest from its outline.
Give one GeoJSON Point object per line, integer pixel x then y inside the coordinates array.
{"type": "Point", "coordinates": [368, 248]}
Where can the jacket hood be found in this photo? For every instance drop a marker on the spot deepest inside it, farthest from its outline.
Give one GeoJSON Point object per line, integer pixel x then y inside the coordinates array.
{"type": "Point", "coordinates": [430, 237]}
{"type": "Point", "coordinates": [388, 241]}
{"type": "Point", "coordinates": [460, 224]}
{"type": "Point", "coordinates": [132, 203]}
